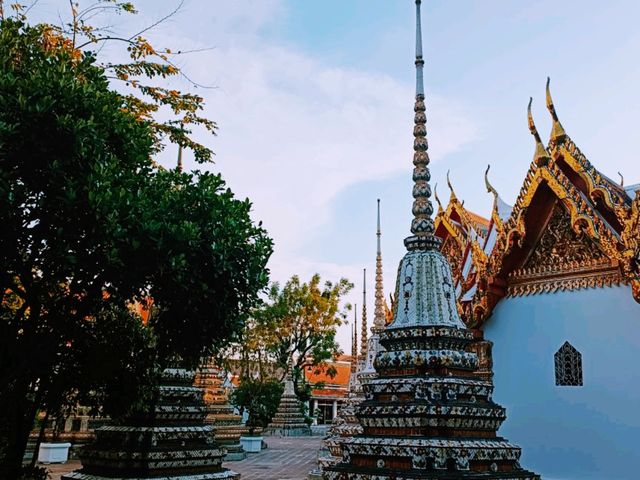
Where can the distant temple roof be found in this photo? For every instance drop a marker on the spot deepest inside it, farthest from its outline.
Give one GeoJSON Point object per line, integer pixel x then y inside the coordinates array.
{"type": "Point", "coordinates": [571, 227]}
{"type": "Point", "coordinates": [336, 386]}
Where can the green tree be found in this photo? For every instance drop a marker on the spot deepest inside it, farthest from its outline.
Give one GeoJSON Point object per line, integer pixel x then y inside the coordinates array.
{"type": "Point", "coordinates": [301, 320]}
{"type": "Point", "coordinates": [295, 326]}
{"type": "Point", "coordinates": [90, 225]}
{"type": "Point", "coordinates": [259, 398]}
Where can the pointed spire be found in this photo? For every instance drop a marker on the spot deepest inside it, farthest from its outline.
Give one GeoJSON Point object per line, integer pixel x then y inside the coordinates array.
{"type": "Point", "coordinates": [490, 188]}
{"type": "Point", "coordinates": [540, 157]}
{"type": "Point", "coordinates": [557, 130]}
{"type": "Point", "coordinates": [379, 313]}
{"type": "Point", "coordinates": [422, 227]}
{"type": "Point", "coordinates": [363, 335]}
{"type": "Point", "coordinates": [354, 339]}
{"type": "Point", "coordinates": [435, 195]}
{"type": "Point", "coordinates": [453, 193]}
{"type": "Point", "coordinates": [180, 158]}
{"type": "Point", "coordinates": [419, 59]}
{"type": "Point", "coordinates": [378, 232]}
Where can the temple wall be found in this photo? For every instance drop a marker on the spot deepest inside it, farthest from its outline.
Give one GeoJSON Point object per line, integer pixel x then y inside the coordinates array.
{"type": "Point", "coordinates": [571, 433]}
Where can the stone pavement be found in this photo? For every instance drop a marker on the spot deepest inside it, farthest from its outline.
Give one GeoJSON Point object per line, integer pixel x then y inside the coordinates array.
{"type": "Point", "coordinates": [287, 458]}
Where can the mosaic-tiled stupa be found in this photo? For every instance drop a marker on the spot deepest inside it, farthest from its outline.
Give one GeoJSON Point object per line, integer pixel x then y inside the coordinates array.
{"type": "Point", "coordinates": [227, 426]}
{"type": "Point", "coordinates": [170, 443]}
{"type": "Point", "coordinates": [289, 421]}
{"type": "Point", "coordinates": [345, 424]}
{"type": "Point", "coordinates": [427, 415]}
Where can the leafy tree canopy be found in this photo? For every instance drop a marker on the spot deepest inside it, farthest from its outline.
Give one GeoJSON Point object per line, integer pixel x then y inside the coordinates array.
{"type": "Point", "coordinates": [295, 326]}
{"type": "Point", "coordinates": [89, 226]}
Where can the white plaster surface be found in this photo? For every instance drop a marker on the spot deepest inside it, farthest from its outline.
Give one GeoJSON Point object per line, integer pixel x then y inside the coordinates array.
{"type": "Point", "coordinates": [571, 433]}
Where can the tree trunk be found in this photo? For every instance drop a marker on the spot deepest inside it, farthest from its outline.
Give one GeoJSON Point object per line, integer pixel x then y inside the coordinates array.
{"type": "Point", "coordinates": [17, 413]}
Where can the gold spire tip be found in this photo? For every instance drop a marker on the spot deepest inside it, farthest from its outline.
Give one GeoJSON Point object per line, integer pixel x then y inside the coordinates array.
{"type": "Point", "coordinates": [540, 157]}
{"type": "Point", "coordinates": [453, 193]}
{"type": "Point", "coordinates": [490, 188]}
{"type": "Point", "coordinates": [557, 131]}
{"type": "Point", "coordinates": [435, 194]}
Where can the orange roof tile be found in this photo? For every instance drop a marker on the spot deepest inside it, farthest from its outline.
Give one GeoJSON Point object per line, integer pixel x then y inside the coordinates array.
{"type": "Point", "coordinates": [343, 371]}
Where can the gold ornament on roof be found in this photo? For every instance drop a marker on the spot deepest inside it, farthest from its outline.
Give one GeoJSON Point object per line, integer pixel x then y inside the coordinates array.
{"type": "Point", "coordinates": [541, 156]}
{"type": "Point", "coordinates": [557, 131]}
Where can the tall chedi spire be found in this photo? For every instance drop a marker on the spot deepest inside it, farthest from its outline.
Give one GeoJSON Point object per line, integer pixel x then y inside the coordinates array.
{"type": "Point", "coordinates": [354, 340]}
{"type": "Point", "coordinates": [427, 413]}
{"type": "Point", "coordinates": [363, 326]}
{"type": "Point", "coordinates": [378, 313]}
{"type": "Point", "coordinates": [379, 322]}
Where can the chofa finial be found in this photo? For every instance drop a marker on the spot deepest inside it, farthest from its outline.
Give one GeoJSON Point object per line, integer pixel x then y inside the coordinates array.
{"type": "Point", "coordinates": [557, 130]}
{"type": "Point", "coordinates": [490, 188]}
{"type": "Point", "coordinates": [540, 157]}
{"type": "Point", "coordinates": [435, 194]}
{"type": "Point", "coordinates": [621, 179]}
{"type": "Point", "coordinates": [453, 193]}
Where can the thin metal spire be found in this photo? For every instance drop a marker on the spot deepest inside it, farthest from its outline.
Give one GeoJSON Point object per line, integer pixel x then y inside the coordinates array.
{"type": "Point", "coordinates": [363, 335]}
{"type": "Point", "coordinates": [378, 233]}
{"type": "Point", "coordinates": [378, 313]}
{"type": "Point", "coordinates": [419, 59]}
{"type": "Point", "coordinates": [422, 226]}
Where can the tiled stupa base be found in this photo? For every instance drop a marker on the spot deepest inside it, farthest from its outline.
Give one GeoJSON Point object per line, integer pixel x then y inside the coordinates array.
{"type": "Point", "coordinates": [171, 443]}
{"type": "Point", "coordinates": [227, 426]}
{"type": "Point", "coordinates": [289, 421]}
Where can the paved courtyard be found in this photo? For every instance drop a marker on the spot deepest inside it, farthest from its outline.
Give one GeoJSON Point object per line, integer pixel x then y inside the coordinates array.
{"type": "Point", "coordinates": [286, 458]}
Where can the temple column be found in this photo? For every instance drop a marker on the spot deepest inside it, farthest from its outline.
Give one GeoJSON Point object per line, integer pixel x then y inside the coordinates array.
{"type": "Point", "coordinates": [314, 411]}
{"type": "Point", "coordinates": [334, 412]}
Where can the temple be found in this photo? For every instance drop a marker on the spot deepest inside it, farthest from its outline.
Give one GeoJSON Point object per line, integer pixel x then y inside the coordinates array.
{"type": "Point", "coordinates": [556, 276]}
{"type": "Point", "coordinates": [427, 414]}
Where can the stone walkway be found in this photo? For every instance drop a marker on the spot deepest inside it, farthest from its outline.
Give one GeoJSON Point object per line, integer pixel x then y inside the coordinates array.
{"type": "Point", "coordinates": [287, 458]}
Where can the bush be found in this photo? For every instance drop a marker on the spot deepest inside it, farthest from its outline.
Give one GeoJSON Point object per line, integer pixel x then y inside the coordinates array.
{"type": "Point", "coordinates": [260, 399]}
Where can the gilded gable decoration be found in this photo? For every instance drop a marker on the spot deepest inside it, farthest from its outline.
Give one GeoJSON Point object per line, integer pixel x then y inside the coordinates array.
{"type": "Point", "coordinates": [571, 227]}
{"type": "Point", "coordinates": [563, 260]}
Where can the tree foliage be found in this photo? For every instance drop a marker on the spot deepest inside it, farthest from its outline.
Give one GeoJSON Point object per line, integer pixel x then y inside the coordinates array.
{"type": "Point", "coordinates": [90, 226]}
{"type": "Point", "coordinates": [295, 326]}
{"type": "Point", "coordinates": [259, 398]}
{"type": "Point", "coordinates": [142, 76]}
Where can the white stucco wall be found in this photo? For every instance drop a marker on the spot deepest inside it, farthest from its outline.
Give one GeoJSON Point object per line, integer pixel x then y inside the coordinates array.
{"type": "Point", "coordinates": [571, 433]}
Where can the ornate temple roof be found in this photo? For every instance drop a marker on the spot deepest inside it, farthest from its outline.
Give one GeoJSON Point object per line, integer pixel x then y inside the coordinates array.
{"type": "Point", "coordinates": [570, 227]}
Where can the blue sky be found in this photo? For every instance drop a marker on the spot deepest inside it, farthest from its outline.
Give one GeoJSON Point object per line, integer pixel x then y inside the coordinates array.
{"type": "Point", "coordinates": [314, 101]}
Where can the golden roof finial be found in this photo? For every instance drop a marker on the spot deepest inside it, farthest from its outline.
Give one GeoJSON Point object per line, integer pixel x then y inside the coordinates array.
{"type": "Point", "coordinates": [621, 179]}
{"type": "Point", "coordinates": [557, 131]}
{"type": "Point", "coordinates": [490, 188]}
{"type": "Point", "coordinates": [540, 157]}
{"type": "Point", "coordinates": [435, 194]}
{"type": "Point", "coordinates": [453, 194]}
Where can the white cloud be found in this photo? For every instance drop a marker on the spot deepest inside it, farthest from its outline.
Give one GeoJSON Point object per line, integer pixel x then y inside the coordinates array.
{"type": "Point", "coordinates": [294, 130]}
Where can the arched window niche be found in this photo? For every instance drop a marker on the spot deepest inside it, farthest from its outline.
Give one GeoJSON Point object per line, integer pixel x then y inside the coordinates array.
{"type": "Point", "coordinates": [568, 363]}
